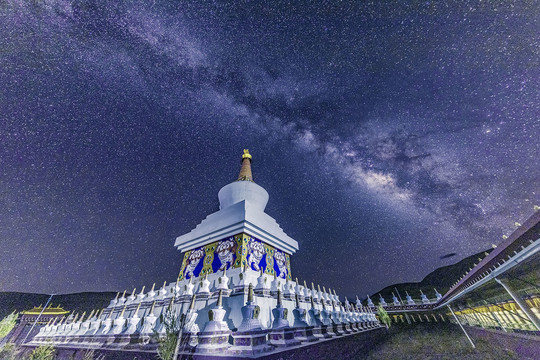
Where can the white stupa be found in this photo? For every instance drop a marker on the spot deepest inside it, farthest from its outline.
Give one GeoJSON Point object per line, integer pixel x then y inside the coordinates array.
{"type": "Point", "coordinates": [240, 233]}
{"type": "Point", "coordinates": [234, 286]}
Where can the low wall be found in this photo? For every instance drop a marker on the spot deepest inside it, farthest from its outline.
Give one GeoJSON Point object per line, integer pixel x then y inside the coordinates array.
{"type": "Point", "coordinates": [344, 347]}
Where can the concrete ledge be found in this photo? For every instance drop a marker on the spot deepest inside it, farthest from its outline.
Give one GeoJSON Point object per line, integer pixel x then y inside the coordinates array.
{"type": "Point", "coordinates": [342, 347]}
{"type": "Point", "coordinates": [333, 348]}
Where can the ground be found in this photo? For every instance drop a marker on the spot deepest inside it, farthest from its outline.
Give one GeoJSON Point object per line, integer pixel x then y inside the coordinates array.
{"type": "Point", "coordinates": [439, 341]}
{"type": "Point", "coordinates": [425, 341]}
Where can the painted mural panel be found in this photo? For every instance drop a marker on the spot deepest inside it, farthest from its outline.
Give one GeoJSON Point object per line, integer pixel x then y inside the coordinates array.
{"type": "Point", "coordinates": [211, 258]}
{"type": "Point", "coordinates": [263, 256]}
{"type": "Point", "coordinates": [194, 263]}
{"type": "Point", "coordinates": [235, 251]}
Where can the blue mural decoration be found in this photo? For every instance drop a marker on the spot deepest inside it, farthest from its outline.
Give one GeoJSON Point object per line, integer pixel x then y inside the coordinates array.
{"type": "Point", "coordinates": [256, 257]}
{"type": "Point", "coordinates": [234, 252]}
{"type": "Point", "coordinates": [194, 263]}
{"type": "Point", "coordinates": [280, 264]}
{"type": "Point", "coordinates": [225, 255]}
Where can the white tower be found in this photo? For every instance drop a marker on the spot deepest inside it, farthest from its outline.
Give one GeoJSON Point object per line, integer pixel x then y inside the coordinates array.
{"type": "Point", "coordinates": [239, 233]}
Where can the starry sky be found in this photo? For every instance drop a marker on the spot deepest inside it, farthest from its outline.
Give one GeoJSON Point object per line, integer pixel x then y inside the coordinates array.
{"type": "Point", "coordinates": [388, 134]}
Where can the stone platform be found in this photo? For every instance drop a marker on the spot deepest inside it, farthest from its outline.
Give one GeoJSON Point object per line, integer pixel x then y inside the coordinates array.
{"type": "Point", "coordinates": [320, 350]}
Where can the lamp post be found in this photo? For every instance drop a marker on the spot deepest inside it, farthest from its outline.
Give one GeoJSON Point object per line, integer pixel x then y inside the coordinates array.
{"type": "Point", "coordinates": [461, 326]}
{"type": "Point", "coordinates": [402, 303]}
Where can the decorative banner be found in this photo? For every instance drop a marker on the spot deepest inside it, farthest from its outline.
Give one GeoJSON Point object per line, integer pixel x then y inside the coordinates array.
{"type": "Point", "coordinates": [235, 251]}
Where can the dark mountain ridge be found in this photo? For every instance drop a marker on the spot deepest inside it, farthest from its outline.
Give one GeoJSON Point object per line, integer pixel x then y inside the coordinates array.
{"type": "Point", "coordinates": [441, 279]}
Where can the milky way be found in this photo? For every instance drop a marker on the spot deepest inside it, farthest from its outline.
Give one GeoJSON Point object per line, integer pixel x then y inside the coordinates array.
{"type": "Point", "coordinates": [387, 135]}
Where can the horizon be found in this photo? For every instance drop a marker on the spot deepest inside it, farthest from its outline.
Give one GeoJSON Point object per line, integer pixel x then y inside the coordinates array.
{"type": "Point", "coordinates": [363, 297]}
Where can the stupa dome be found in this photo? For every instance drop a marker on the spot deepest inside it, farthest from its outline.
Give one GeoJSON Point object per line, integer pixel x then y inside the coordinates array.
{"type": "Point", "coordinates": [243, 189]}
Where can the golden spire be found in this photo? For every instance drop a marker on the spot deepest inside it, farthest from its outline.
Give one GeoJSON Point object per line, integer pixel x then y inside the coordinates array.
{"type": "Point", "coordinates": [245, 170]}
{"type": "Point", "coordinates": [171, 303]}
{"type": "Point", "coordinates": [246, 154]}
{"type": "Point", "coordinates": [220, 298]}
{"type": "Point", "coordinates": [137, 310]}
{"type": "Point", "coordinates": [250, 294]}
{"type": "Point", "coordinates": [123, 311]}
{"type": "Point", "coordinates": [192, 304]}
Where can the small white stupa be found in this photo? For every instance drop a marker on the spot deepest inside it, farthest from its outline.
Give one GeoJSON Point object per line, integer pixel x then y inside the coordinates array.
{"type": "Point", "coordinates": [410, 300]}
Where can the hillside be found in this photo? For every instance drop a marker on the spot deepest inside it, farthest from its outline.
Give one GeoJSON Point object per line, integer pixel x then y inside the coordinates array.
{"type": "Point", "coordinates": [78, 302]}
{"type": "Point", "coordinates": [441, 279]}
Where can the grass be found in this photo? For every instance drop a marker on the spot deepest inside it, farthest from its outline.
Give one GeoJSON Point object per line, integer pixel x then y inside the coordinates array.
{"type": "Point", "coordinates": [43, 352]}
{"type": "Point", "coordinates": [9, 351]}
{"type": "Point", "coordinates": [425, 341]}
{"type": "Point", "coordinates": [435, 341]}
{"type": "Point", "coordinates": [422, 341]}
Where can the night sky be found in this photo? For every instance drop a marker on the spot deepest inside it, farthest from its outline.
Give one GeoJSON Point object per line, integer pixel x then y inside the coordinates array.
{"type": "Point", "coordinates": [387, 135]}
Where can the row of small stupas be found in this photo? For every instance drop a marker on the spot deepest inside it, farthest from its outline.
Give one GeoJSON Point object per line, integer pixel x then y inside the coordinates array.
{"type": "Point", "coordinates": [138, 321]}
{"type": "Point", "coordinates": [235, 294]}
{"type": "Point", "coordinates": [408, 300]}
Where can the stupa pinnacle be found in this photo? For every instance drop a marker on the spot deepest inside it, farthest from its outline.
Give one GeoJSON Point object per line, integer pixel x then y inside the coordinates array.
{"type": "Point", "coordinates": [241, 232]}
{"type": "Point", "coordinates": [245, 170]}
